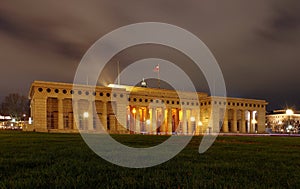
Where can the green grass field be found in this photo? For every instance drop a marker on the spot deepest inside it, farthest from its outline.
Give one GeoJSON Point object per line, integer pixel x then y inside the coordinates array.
{"type": "Point", "coordinates": [42, 160]}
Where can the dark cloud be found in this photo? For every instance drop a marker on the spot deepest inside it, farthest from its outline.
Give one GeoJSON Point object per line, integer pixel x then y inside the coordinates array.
{"type": "Point", "coordinates": [37, 36]}
{"type": "Point", "coordinates": [284, 25]}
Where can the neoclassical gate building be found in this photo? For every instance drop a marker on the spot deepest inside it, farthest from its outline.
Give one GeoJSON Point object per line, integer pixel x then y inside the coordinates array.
{"type": "Point", "coordinates": [61, 107]}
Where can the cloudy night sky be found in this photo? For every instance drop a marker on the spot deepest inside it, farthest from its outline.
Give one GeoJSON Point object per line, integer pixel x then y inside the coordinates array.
{"type": "Point", "coordinates": [256, 43]}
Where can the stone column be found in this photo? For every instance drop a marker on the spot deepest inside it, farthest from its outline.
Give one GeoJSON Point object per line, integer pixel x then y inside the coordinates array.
{"type": "Point", "coordinates": [184, 122]}
{"type": "Point", "coordinates": [234, 124]}
{"type": "Point", "coordinates": [202, 119]}
{"type": "Point", "coordinates": [144, 119]}
{"type": "Point", "coordinates": [137, 129]}
{"type": "Point", "coordinates": [261, 121]}
{"type": "Point", "coordinates": [91, 115]}
{"type": "Point", "coordinates": [197, 131]}
{"type": "Point", "coordinates": [243, 124]}
{"type": "Point", "coordinates": [169, 121]}
{"type": "Point", "coordinates": [121, 117]}
{"type": "Point", "coordinates": [75, 114]}
{"type": "Point", "coordinates": [162, 122]}
{"type": "Point", "coordinates": [60, 114]}
{"type": "Point", "coordinates": [154, 121]}
{"type": "Point", "coordinates": [40, 115]}
{"type": "Point", "coordinates": [104, 116]}
{"type": "Point", "coordinates": [225, 123]}
{"type": "Point", "coordinates": [190, 125]}
{"type": "Point", "coordinates": [251, 124]}
{"type": "Point", "coordinates": [214, 123]}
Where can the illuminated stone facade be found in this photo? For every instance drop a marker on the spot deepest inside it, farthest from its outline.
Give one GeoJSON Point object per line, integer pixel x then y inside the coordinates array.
{"type": "Point", "coordinates": [140, 111]}
{"type": "Point", "coordinates": [278, 121]}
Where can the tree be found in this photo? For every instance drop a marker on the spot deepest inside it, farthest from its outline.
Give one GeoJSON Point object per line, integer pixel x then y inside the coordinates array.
{"type": "Point", "coordinates": [15, 105]}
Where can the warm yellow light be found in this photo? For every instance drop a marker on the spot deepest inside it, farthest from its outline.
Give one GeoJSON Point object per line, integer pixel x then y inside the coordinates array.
{"type": "Point", "coordinates": [289, 112]}
{"type": "Point", "coordinates": [85, 114]}
{"type": "Point", "coordinates": [133, 110]}
{"type": "Point", "coordinates": [253, 121]}
{"type": "Point", "coordinates": [193, 119]}
{"type": "Point", "coordinates": [200, 123]}
{"type": "Point", "coordinates": [148, 121]}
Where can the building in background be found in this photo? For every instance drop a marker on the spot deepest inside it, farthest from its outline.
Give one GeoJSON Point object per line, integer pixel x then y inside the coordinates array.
{"type": "Point", "coordinates": [283, 121]}
{"type": "Point", "coordinates": [140, 110]}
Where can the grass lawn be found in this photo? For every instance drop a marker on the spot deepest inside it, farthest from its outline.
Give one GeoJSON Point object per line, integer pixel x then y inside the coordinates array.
{"type": "Point", "coordinates": [42, 160]}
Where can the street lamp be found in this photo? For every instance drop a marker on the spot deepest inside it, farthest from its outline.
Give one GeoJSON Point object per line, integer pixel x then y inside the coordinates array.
{"type": "Point", "coordinates": [24, 118]}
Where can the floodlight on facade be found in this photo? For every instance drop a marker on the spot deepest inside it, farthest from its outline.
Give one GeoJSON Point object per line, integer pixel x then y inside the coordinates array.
{"type": "Point", "coordinates": [289, 112]}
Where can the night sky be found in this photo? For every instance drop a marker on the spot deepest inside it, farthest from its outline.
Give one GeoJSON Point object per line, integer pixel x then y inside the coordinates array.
{"type": "Point", "coordinates": [256, 43]}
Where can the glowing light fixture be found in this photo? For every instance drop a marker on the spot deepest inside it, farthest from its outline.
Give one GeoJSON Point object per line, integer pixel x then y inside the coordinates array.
{"type": "Point", "coordinates": [253, 121]}
{"type": "Point", "coordinates": [289, 112]}
{"type": "Point", "coordinates": [193, 119]}
{"type": "Point", "coordinates": [85, 114]}
{"type": "Point", "coordinates": [148, 121]}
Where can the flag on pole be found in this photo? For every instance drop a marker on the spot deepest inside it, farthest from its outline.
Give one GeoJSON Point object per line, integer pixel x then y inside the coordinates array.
{"type": "Point", "coordinates": [156, 68]}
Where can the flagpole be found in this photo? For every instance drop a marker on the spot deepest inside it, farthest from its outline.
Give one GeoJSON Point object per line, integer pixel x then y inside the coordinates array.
{"type": "Point", "coordinates": [118, 72]}
{"type": "Point", "coordinates": [158, 77]}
